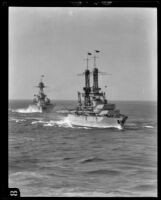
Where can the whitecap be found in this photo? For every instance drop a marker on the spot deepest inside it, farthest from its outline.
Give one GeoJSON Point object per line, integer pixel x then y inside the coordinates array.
{"type": "Point", "coordinates": [91, 124]}
{"type": "Point", "coordinates": [30, 109]}
{"type": "Point", "coordinates": [26, 174]}
{"type": "Point", "coordinates": [48, 124]}
{"type": "Point", "coordinates": [66, 123]}
{"type": "Point", "coordinates": [17, 120]}
{"type": "Point", "coordinates": [36, 122]}
{"type": "Point", "coordinates": [148, 126]}
{"type": "Point", "coordinates": [62, 111]}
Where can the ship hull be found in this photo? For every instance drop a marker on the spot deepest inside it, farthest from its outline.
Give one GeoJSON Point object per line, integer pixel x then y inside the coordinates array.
{"type": "Point", "coordinates": [96, 121]}
{"type": "Point", "coordinates": [44, 108]}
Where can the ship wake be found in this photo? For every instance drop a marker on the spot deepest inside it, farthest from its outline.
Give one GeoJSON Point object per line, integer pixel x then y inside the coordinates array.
{"type": "Point", "coordinates": [64, 123]}
{"type": "Point", "coordinates": [30, 109]}
{"type": "Point", "coordinates": [67, 123]}
{"type": "Point", "coordinates": [83, 123]}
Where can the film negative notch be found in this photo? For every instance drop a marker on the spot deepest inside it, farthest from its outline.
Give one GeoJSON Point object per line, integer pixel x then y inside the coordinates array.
{"type": "Point", "coordinates": [14, 192]}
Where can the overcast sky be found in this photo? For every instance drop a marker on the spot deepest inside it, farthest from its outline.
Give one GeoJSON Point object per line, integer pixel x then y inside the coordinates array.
{"type": "Point", "coordinates": [55, 41]}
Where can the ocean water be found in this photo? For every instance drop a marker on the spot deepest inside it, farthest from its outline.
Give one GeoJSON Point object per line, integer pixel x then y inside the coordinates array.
{"type": "Point", "coordinates": [50, 157]}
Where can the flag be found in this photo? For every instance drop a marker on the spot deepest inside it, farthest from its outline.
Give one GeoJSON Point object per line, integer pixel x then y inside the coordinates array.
{"type": "Point", "coordinates": [97, 51]}
{"type": "Point", "coordinates": [89, 53]}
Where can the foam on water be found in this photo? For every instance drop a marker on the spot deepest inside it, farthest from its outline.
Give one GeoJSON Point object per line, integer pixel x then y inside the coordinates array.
{"type": "Point", "coordinates": [67, 123]}
{"type": "Point", "coordinates": [17, 120]}
{"type": "Point", "coordinates": [37, 122]}
{"type": "Point", "coordinates": [148, 126]}
{"type": "Point", "coordinates": [65, 111]}
{"type": "Point", "coordinates": [86, 124]}
{"type": "Point", "coordinates": [50, 156]}
{"type": "Point", "coordinates": [30, 109]}
{"type": "Point", "coordinates": [139, 125]}
{"type": "Point", "coordinates": [62, 111]}
{"type": "Point", "coordinates": [72, 192]}
{"type": "Point", "coordinates": [59, 123]}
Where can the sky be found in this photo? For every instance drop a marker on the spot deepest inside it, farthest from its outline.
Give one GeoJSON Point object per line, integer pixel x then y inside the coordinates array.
{"type": "Point", "coordinates": [54, 41]}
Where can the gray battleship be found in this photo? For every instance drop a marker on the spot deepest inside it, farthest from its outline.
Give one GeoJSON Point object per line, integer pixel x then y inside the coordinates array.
{"type": "Point", "coordinates": [95, 110]}
{"type": "Point", "coordinates": [41, 101]}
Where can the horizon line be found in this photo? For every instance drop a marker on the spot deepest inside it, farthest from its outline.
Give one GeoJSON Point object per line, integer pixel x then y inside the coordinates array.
{"type": "Point", "coordinates": [76, 100]}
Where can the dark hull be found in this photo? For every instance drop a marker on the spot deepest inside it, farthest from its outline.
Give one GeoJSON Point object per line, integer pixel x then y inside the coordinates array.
{"type": "Point", "coordinates": [45, 108]}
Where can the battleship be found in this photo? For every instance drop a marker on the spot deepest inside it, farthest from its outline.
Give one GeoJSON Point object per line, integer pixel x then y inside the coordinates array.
{"type": "Point", "coordinates": [41, 101]}
{"type": "Point", "coordinates": [95, 110]}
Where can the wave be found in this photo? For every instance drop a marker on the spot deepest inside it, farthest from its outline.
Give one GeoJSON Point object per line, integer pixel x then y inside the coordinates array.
{"type": "Point", "coordinates": [83, 194]}
{"type": "Point", "coordinates": [63, 111]}
{"type": "Point", "coordinates": [37, 122]}
{"type": "Point", "coordinates": [91, 124]}
{"type": "Point", "coordinates": [73, 192]}
{"type": "Point", "coordinates": [17, 120]}
{"type": "Point", "coordinates": [148, 126]}
{"type": "Point", "coordinates": [92, 159]}
{"type": "Point", "coordinates": [30, 109]}
{"type": "Point", "coordinates": [65, 123]}
{"type": "Point", "coordinates": [104, 172]}
{"type": "Point", "coordinates": [139, 125]}
{"type": "Point", "coordinates": [26, 174]}
{"type": "Point", "coordinates": [131, 124]}
{"type": "Point", "coordinates": [144, 187]}
{"type": "Point", "coordinates": [59, 123]}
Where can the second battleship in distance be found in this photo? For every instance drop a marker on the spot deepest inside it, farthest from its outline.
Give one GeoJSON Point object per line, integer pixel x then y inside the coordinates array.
{"type": "Point", "coordinates": [41, 101]}
{"type": "Point", "coordinates": [95, 110]}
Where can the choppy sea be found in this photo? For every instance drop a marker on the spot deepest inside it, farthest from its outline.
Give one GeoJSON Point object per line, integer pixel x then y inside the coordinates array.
{"type": "Point", "coordinates": [48, 156]}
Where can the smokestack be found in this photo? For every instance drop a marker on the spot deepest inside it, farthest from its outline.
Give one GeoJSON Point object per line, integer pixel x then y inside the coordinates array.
{"type": "Point", "coordinates": [95, 79]}
{"type": "Point", "coordinates": [87, 78]}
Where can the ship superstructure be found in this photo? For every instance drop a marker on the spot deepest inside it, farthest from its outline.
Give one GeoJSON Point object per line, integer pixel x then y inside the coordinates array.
{"type": "Point", "coordinates": [41, 100]}
{"type": "Point", "coordinates": [95, 109]}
